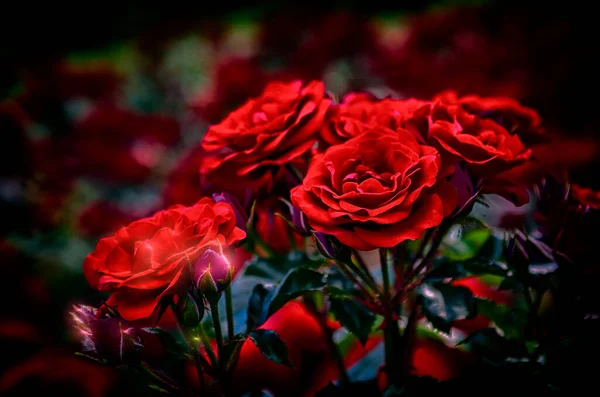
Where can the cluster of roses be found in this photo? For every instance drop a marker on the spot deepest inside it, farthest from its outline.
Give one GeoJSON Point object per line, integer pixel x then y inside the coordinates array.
{"type": "Point", "coordinates": [362, 174]}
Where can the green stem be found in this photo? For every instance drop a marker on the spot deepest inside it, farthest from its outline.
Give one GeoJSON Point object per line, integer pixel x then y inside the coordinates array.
{"type": "Point", "coordinates": [428, 259]}
{"type": "Point", "coordinates": [321, 316]}
{"type": "Point", "coordinates": [209, 350]}
{"type": "Point", "coordinates": [347, 272]}
{"type": "Point", "coordinates": [361, 270]}
{"type": "Point", "coordinates": [391, 332]}
{"type": "Point", "coordinates": [229, 308]}
{"type": "Point", "coordinates": [214, 309]}
{"type": "Point", "coordinates": [385, 272]}
{"type": "Point", "coordinates": [198, 358]}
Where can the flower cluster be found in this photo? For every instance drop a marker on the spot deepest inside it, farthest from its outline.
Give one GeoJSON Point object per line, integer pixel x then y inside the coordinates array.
{"type": "Point", "coordinates": [362, 178]}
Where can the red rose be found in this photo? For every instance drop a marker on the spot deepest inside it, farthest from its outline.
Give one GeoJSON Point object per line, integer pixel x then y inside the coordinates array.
{"type": "Point", "coordinates": [375, 190]}
{"type": "Point", "coordinates": [250, 147]}
{"type": "Point", "coordinates": [486, 146]}
{"type": "Point", "coordinates": [514, 117]}
{"type": "Point", "coordinates": [152, 258]}
{"type": "Point", "coordinates": [358, 111]}
{"type": "Point", "coordinates": [347, 119]}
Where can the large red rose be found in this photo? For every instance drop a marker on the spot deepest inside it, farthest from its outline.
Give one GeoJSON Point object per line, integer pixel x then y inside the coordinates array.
{"type": "Point", "coordinates": [250, 147]}
{"type": "Point", "coordinates": [152, 258]}
{"type": "Point", "coordinates": [375, 190]}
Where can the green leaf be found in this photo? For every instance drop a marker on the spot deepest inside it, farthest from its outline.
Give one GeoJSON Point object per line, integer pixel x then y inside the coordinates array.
{"type": "Point", "coordinates": [354, 316]}
{"type": "Point", "coordinates": [443, 270]}
{"type": "Point", "coordinates": [467, 245]}
{"type": "Point", "coordinates": [167, 340]}
{"type": "Point", "coordinates": [493, 348]}
{"type": "Point", "coordinates": [276, 267]}
{"type": "Point", "coordinates": [271, 346]}
{"type": "Point", "coordinates": [510, 319]}
{"type": "Point", "coordinates": [443, 304]}
{"type": "Point", "coordinates": [296, 283]}
{"type": "Point", "coordinates": [257, 309]}
{"type": "Point", "coordinates": [479, 266]}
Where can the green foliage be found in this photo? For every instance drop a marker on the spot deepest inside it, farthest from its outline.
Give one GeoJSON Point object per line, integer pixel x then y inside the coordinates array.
{"type": "Point", "coordinates": [271, 346]}
{"type": "Point", "coordinates": [443, 304]}
{"type": "Point", "coordinates": [353, 315]}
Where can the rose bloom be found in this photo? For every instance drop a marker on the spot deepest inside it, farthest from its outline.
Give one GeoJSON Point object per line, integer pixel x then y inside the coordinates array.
{"type": "Point", "coordinates": [152, 258]}
{"type": "Point", "coordinates": [376, 190]}
{"type": "Point", "coordinates": [483, 132]}
{"type": "Point", "coordinates": [253, 144]}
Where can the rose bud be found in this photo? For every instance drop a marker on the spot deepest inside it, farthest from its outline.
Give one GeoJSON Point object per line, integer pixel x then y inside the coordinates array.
{"type": "Point", "coordinates": [189, 312]}
{"type": "Point", "coordinates": [240, 214]}
{"type": "Point", "coordinates": [461, 180]}
{"type": "Point", "coordinates": [111, 338]}
{"type": "Point", "coordinates": [213, 274]}
{"type": "Point", "coordinates": [298, 219]}
{"type": "Point", "coordinates": [329, 246]}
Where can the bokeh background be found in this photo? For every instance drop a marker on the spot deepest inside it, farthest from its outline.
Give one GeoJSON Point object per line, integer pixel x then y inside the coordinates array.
{"type": "Point", "coordinates": [102, 107]}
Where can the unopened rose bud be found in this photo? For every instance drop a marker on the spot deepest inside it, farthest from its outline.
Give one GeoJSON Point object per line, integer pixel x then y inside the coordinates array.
{"type": "Point", "coordinates": [241, 219]}
{"type": "Point", "coordinates": [329, 246]}
{"type": "Point", "coordinates": [189, 311]}
{"type": "Point", "coordinates": [110, 338]}
{"type": "Point", "coordinates": [213, 274]}
{"type": "Point", "coordinates": [461, 180]}
{"type": "Point", "coordinates": [298, 219]}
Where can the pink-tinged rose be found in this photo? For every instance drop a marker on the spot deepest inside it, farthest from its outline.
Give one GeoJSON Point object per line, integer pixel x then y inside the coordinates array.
{"type": "Point", "coordinates": [151, 258]}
